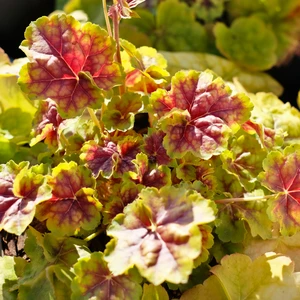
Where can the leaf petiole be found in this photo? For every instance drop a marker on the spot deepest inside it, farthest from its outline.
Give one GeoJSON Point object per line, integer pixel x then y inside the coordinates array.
{"type": "Point", "coordinates": [230, 200]}
{"type": "Point", "coordinates": [95, 234]}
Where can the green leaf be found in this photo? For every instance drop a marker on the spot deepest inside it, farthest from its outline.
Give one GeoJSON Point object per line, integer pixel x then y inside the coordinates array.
{"type": "Point", "coordinates": [243, 159]}
{"type": "Point", "coordinates": [120, 111]}
{"type": "Point", "coordinates": [90, 7]}
{"type": "Point", "coordinates": [145, 68]}
{"type": "Point", "coordinates": [73, 205]}
{"type": "Point", "coordinates": [8, 277]}
{"type": "Point", "coordinates": [64, 250]}
{"type": "Point", "coordinates": [228, 229]}
{"type": "Point", "coordinates": [94, 280]}
{"type": "Point", "coordinates": [234, 279]}
{"type": "Point", "coordinates": [286, 245]}
{"type": "Point", "coordinates": [51, 260]}
{"type": "Point", "coordinates": [7, 150]}
{"type": "Point", "coordinates": [209, 11]}
{"type": "Point", "coordinates": [275, 275]}
{"type": "Point", "coordinates": [211, 289]}
{"type": "Point", "coordinates": [159, 234]}
{"type": "Point", "coordinates": [248, 42]}
{"type": "Point", "coordinates": [72, 76]}
{"type": "Point", "coordinates": [20, 191]}
{"type": "Point", "coordinates": [153, 292]}
{"type": "Point", "coordinates": [178, 29]}
{"type": "Point", "coordinates": [198, 114]}
{"type": "Point", "coordinates": [252, 81]}
{"type": "Point", "coordinates": [273, 113]}
{"type": "Point", "coordinates": [254, 213]}
{"type": "Point", "coordinates": [281, 176]}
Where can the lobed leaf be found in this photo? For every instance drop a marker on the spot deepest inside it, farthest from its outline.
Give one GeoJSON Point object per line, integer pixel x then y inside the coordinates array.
{"type": "Point", "coordinates": [94, 280]}
{"type": "Point", "coordinates": [281, 176]}
{"type": "Point", "coordinates": [147, 176]}
{"type": "Point", "coordinates": [243, 159]}
{"type": "Point", "coordinates": [153, 292]}
{"type": "Point", "coordinates": [70, 63]}
{"type": "Point", "coordinates": [73, 205]}
{"type": "Point", "coordinates": [21, 189]}
{"type": "Point", "coordinates": [234, 279]}
{"type": "Point", "coordinates": [46, 123]}
{"type": "Point", "coordinates": [111, 158]}
{"type": "Point", "coordinates": [154, 147]}
{"type": "Point", "coordinates": [159, 234]}
{"type": "Point", "coordinates": [198, 114]}
{"type": "Point", "coordinates": [120, 112]}
{"type": "Point", "coordinates": [248, 42]}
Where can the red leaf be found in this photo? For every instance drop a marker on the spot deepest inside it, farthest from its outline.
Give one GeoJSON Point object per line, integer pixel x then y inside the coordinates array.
{"type": "Point", "coordinates": [196, 114]}
{"type": "Point", "coordinates": [70, 63]}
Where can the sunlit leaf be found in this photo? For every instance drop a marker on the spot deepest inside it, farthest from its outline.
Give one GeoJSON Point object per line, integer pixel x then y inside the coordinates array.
{"type": "Point", "coordinates": [73, 205]}
{"type": "Point", "coordinates": [148, 176]}
{"type": "Point", "coordinates": [46, 124]}
{"type": "Point", "coordinates": [273, 113]}
{"type": "Point", "coordinates": [145, 68]}
{"type": "Point", "coordinates": [122, 194]}
{"type": "Point", "coordinates": [94, 280]}
{"type": "Point", "coordinates": [111, 158]}
{"type": "Point", "coordinates": [21, 189]}
{"type": "Point", "coordinates": [8, 277]}
{"type": "Point", "coordinates": [159, 234]}
{"type": "Point", "coordinates": [234, 278]}
{"type": "Point", "coordinates": [198, 114]}
{"type": "Point", "coordinates": [153, 292]}
{"type": "Point", "coordinates": [72, 75]}
{"type": "Point", "coordinates": [154, 147]}
{"type": "Point", "coordinates": [243, 159]}
{"type": "Point", "coordinates": [120, 111]}
{"type": "Point", "coordinates": [281, 176]}
{"type": "Point", "coordinates": [287, 245]}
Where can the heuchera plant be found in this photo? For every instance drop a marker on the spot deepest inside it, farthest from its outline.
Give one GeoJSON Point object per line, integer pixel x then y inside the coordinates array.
{"type": "Point", "coordinates": [131, 183]}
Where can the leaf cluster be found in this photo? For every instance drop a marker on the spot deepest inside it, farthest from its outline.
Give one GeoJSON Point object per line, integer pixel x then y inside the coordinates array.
{"type": "Point", "coordinates": [132, 183]}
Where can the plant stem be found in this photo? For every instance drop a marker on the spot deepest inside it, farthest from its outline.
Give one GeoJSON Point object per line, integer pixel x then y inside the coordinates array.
{"type": "Point", "coordinates": [230, 200]}
{"type": "Point", "coordinates": [116, 23]}
{"type": "Point", "coordinates": [95, 234]}
{"type": "Point", "coordinates": [1, 248]}
{"type": "Point", "coordinates": [106, 17]}
{"type": "Point", "coordinates": [95, 120]}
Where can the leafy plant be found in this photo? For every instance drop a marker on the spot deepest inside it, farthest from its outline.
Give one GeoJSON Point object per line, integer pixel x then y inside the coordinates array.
{"type": "Point", "coordinates": [133, 183]}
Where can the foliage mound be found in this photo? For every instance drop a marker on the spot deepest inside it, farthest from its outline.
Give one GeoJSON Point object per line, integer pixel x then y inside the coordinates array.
{"type": "Point", "coordinates": [129, 181]}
